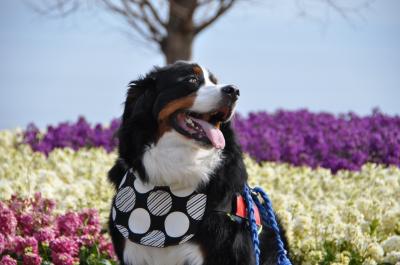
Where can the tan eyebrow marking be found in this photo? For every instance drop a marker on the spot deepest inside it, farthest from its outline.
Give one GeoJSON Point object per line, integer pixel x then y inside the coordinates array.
{"type": "Point", "coordinates": [197, 70]}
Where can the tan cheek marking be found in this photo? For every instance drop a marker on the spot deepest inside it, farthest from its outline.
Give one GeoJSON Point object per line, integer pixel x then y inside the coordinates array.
{"type": "Point", "coordinates": [163, 127]}
{"type": "Point", "coordinates": [169, 109]}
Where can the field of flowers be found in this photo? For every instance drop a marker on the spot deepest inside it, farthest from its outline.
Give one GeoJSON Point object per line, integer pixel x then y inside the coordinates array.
{"type": "Point", "coordinates": [334, 182]}
{"type": "Point", "coordinates": [296, 137]}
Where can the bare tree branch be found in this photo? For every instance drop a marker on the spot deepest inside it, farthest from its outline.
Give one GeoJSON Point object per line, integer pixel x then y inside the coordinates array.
{"type": "Point", "coordinates": [204, 2]}
{"type": "Point", "coordinates": [154, 31]}
{"type": "Point", "coordinates": [154, 12]}
{"type": "Point", "coordinates": [347, 12]}
{"type": "Point", "coordinates": [344, 11]}
{"type": "Point", "coordinates": [54, 8]}
{"type": "Point", "coordinates": [142, 16]}
{"type": "Point", "coordinates": [130, 18]}
{"type": "Point", "coordinates": [154, 28]}
{"type": "Point", "coordinates": [222, 8]}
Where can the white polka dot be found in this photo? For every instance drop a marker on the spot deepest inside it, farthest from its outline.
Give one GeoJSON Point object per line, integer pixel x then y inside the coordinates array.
{"type": "Point", "coordinates": [114, 213]}
{"type": "Point", "coordinates": [159, 202]}
{"type": "Point", "coordinates": [125, 199]}
{"type": "Point", "coordinates": [155, 238]}
{"type": "Point", "coordinates": [142, 187]}
{"type": "Point", "coordinates": [123, 230]}
{"type": "Point", "coordinates": [139, 221]}
{"type": "Point", "coordinates": [186, 238]}
{"type": "Point", "coordinates": [182, 192]}
{"type": "Point", "coordinates": [176, 224]}
{"type": "Point", "coordinates": [123, 180]}
{"type": "Point", "coordinates": [196, 206]}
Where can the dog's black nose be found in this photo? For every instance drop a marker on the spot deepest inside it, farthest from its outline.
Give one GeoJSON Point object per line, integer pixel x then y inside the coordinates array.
{"type": "Point", "coordinates": [231, 91]}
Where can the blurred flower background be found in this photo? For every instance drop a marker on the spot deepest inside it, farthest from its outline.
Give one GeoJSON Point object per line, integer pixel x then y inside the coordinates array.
{"type": "Point", "coordinates": [318, 118]}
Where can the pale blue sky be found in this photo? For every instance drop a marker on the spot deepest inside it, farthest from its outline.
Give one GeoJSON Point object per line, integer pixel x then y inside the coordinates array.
{"type": "Point", "coordinates": [53, 70]}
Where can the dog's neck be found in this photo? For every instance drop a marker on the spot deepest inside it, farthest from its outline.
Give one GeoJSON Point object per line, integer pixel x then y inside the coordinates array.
{"type": "Point", "coordinates": [176, 162]}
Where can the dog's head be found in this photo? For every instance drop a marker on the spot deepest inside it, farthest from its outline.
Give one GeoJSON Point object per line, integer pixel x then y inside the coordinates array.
{"type": "Point", "coordinates": [184, 98]}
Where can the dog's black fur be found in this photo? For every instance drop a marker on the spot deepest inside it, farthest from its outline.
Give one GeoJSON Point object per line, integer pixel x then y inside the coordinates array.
{"type": "Point", "coordinates": [222, 241]}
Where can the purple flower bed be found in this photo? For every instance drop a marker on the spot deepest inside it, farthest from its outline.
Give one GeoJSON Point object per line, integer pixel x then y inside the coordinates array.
{"type": "Point", "coordinates": [325, 140]}
{"type": "Point", "coordinates": [73, 135]}
{"type": "Point", "coordinates": [298, 137]}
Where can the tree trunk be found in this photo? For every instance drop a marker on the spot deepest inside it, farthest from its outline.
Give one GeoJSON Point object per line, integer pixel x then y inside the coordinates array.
{"type": "Point", "coordinates": [177, 45]}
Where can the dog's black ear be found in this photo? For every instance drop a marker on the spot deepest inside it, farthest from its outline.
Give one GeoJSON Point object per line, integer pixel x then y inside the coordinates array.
{"type": "Point", "coordinates": [138, 128]}
{"type": "Point", "coordinates": [140, 96]}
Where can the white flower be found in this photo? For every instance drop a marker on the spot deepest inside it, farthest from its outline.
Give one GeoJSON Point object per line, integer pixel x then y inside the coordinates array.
{"type": "Point", "coordinates": [391, 220]}
{"type": "Point", "coordinates": [391, 244]}
{"type": "Point", "coordinates": [302, 225]}
{"type": "Point", "coordinates": [392, 257]}
{"type": "Point", "coordinates": [369, 261]}
{"type": "Point", "coordinates": [375, 251]}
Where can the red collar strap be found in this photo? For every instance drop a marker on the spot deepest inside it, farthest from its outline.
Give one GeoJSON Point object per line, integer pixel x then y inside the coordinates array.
{"type": "Point", "coordinates": [239, 212]}
{"type": "Point", "coordinates": [241, 209]}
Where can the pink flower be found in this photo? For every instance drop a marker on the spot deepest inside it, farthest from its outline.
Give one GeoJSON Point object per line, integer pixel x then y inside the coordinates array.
{"type": "Point", "coordinates": [92, 230]}
{"type": "Point", "coordinates": [43, 206]}
{"type": "Point", "coordinates": [16, 204]}
{"type": "Point", "coordinates": [106, 247]}
{"type": "Point", "coordinates": [32, 259]}
{"type": "Point", "coordinates": [16, 245]}
{"type": "Point", "coordinates": [30, 245]}
{"type": "Point", "coordinates": [50, 205]}
{"type": "Point", "coordinates": [22, 245]}
{"type": "Point", "coordinates": [63, 259]}
{"type": "Point", "coordinates": [90, 217]}
{"type": "Point", "coordinates": [7, 260]}
{"type": "Point", "coordinates": [69, 223]}
{"type": "Point", "coordinates": [7, 220]}
{"type": "Point", "coordinates": [26, 223]}
{"type": "Point", "coordinates": [9, 244]}
{"type": "Point", "coordinates": [45, 234]}
{"type": "Point", "coordinates": [87, 240]}
{"type": "Point", "coordinates": [64, 245]}
{"type": "Point", "coordinates": [46, 220]}
{"type": "Point", "coordinates": [2, 243]}
{"type": "Point", "coordinates": [91, 222]}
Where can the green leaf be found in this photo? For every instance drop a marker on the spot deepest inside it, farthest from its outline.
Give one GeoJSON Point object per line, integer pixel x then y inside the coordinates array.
{"type": "Point", "coordinates": [373, 226]}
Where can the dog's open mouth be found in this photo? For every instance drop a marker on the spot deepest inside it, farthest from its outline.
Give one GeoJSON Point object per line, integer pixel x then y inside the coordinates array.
{"type": "Point", "coordinates": [203, 127]}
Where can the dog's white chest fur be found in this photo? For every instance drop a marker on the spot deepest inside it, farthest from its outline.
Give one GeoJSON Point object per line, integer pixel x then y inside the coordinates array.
{"type": "Point", "coordinates": [188, 253]}
{"type": "Point", "coordinates": [176, 162]}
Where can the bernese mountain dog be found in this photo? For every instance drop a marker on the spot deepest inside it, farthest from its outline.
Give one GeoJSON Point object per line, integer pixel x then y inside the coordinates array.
{"type": "Point", "coordinates": [179, 173]}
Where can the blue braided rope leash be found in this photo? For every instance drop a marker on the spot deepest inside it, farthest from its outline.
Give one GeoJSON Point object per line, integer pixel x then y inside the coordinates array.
{"type": "Point", "coordinates": [268, 217]}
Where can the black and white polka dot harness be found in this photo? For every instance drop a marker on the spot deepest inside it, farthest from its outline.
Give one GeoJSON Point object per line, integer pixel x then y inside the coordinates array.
{"type": "Point", "coordinates": [156, 216]}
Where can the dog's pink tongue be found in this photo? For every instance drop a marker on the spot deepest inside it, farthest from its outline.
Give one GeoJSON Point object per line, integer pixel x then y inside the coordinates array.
{"type": "Point", "coordinates": [214, 134]}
